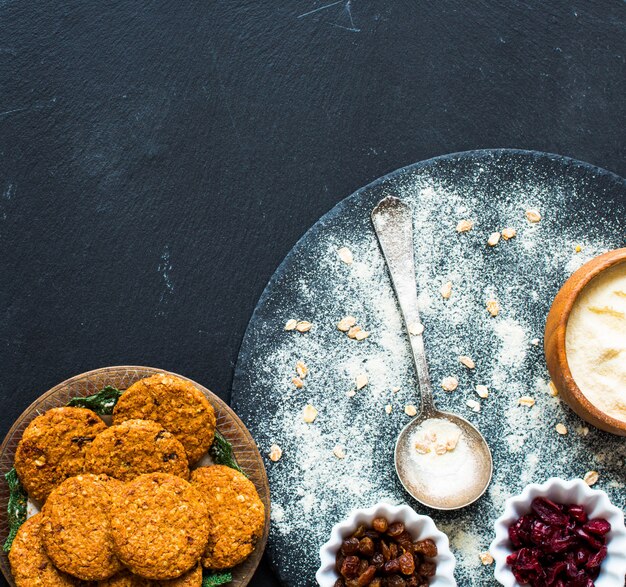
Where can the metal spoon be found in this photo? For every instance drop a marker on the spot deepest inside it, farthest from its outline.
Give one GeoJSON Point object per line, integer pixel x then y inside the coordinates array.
{"type": "Point", "coordinates": [423, 476]}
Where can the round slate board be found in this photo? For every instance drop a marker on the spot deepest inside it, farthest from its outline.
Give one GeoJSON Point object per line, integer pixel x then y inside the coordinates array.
{"type": "Point", "coordinates": [311, 488]}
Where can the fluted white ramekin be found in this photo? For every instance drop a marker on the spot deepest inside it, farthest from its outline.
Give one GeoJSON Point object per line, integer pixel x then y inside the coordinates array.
{"type": "Point", "coordinates": [420, 527]}
{"type": "Point", "coordinates": [597, 504]}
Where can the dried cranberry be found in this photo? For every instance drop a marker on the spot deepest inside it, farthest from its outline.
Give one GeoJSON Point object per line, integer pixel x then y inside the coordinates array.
{"type": "Point", "coordinates": [597, 526]}
{"type": "Point", "coordinates": [595, 560]}
{"type": "Point", "coordinates": [577, 512]}
{"type": "Point", "coordinates": [549, 511]}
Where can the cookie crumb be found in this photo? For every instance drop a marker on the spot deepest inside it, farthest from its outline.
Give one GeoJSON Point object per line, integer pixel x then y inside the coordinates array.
{"type": "Point", "coordinates": [446, 290]}
{"type": "Point", "coordinates": [493, 307]}
{"type": "Point", "coordinates": [473, 405]}
{"type": "Point", "coordinates": [303, 326]}
{"type": "Point", "coordinates": [339, 451]}
{"type": "Point", "coordinates": [301, 369]}
{"type": "Point", "coordinates": [388, 409]}
{"type": "Point", "coordinates": [410, 410]}
{"type": "Point", "coordinates": [299, 384]}
{"type": "Point", "coordinates": [346, 323]}
{"type": "Point", "coordinates": [291, 324]}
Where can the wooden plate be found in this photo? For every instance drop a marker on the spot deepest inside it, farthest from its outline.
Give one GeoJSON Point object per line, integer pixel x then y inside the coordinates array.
{"type": "Point", "coordinates": [122, 377]}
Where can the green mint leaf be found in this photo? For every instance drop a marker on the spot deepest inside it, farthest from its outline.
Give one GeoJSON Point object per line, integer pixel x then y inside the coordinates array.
{"type": "Point", "coordinates": [213, 578]}
{"type": "Point", "coordinates": [222, 453]}
{"type": "Point", "coordinates": [102, 402]}
{"type": "Point", "coordinates": [16, 508]}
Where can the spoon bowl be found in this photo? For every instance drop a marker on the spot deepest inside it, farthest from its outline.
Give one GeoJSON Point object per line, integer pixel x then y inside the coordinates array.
{"type": "Point", "coordinates": [440, 458]}
{"type": "Point", "coordinates": [424, 479]}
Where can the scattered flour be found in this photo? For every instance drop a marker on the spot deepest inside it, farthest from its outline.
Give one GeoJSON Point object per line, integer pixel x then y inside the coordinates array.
{"type": "Point", "coordinates": [311, 488]}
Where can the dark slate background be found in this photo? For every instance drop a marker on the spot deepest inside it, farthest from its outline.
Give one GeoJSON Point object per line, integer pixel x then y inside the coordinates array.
{"type": "Point", "coordinates": [159, 159]}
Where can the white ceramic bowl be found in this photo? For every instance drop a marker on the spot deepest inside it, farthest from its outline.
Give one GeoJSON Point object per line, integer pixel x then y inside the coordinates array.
{"type": "Point", "coordinates": [420, 527]}
{"type": "Point", "coordinates": [597, 504]}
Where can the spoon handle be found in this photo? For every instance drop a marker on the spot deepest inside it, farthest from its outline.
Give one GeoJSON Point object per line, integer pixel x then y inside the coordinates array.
{"type": "Point", "coordinates": [393, 223]}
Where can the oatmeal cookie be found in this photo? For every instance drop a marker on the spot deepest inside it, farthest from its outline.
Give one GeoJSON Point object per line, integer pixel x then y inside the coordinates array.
{"type": "Point", "coordinates": [191, 578]}
{"type": "Point", "coordinates": [135, 447]}
{"type": "Point", "coordinates": [174, 403]}
{"type": "Point", "coordinates": [159, 525]}
{"type": "Point", "coordinates": [53, 448]}
{"type": "Point", "coordinates": [75, 529]}
{"type": "Point", "coordinates": [30, 564]}
{"type": "Point", "coordinates": [236, 513]}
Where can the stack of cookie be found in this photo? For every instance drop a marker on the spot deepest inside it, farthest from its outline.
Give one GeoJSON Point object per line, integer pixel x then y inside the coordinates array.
{"type": "Point", "coordinates": [120, 505]}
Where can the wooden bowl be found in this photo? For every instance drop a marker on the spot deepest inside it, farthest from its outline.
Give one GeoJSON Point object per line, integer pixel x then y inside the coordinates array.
{"type": "Point", "coordinates": [231, 427]}
{"type": "Point", "coordinates": [554, 342]}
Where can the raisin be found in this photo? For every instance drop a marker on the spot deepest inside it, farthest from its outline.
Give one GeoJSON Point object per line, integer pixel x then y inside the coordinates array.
{"type": "Point", "coordinates": [359, 532]}
{"type": "Point", "coordinates": [426, 547]}
{"type": "Point", "coordinates": [365, 578]}
{"type": "Point", "coordinates": [393, 549]}
{"type": "Point", "coordinates": [392, 566]}
{"type": "Point", "coordinates": [427, 569]}
{"type": "Point", "coordinates": [362, 567]}
{"type": "Point", "coordinates": [339, 561]}
{"type": "Point", "coordinates": [407, 564]}
{"type": "Point", "coordinates": [376, 582]}
{"type": "Point", "coordinates": [396, 581]}
{"type": "Point", "coordinates": [350, 567]}
{"type": "Point", "coordinates": [366, 547]}
{"type": "Point", "coordinates": [380, 525]}
{"type": "Point", "coordinates": [378, 560]}
{"type": "Point", "coordinates": [339, 583]}
{"type": "Point", "coordinates": [395, 529]}
{"type": "Point", "coordinates": [385, 550]}
{"type": "Point", "coordinates": [350, 546]}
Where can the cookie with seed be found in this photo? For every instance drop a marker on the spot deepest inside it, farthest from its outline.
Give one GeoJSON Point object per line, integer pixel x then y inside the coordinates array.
{"type": "Point", "coordinates": [135, 447]}
{"type": "Point", "coordinates": [159, 525]}
{"type": "Point", "coordinates": [236, 512]}
{"type": "Point", "coordinates": [191, 578]}
{"type": "Point", "coordinates": [75, 528]}
{"type": "Point", "coordinates": [174, 403]}
{"type": "Point", "coordinates": [53, 448]}
{"type": "Point", "coordinates": [29, 562]}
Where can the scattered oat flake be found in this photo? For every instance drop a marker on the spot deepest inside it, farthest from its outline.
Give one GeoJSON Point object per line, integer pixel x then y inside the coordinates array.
{"type": "Point", "coordinates": [526, 400]}
{"type": "Point", "coordinates": [486, 558]}
{"type": "Point", "coordinates": [339, 451]}
{"type": "Point", "coordinates": [473, 405]}
{"type": "Point", "coordinates": [346, 323]}
{"type": "Point", "coordinates": [583, 431]}
{"type": "Point", "coordinates": [297, 382]}
{"type": "Point", "coordinates": [291, 324]}
{"type": "Point", "coordinates": [361, 335]}
{"type": "Point", "coordinates": [493, 307]}
{"type": "Point", "coordinates": [535, 342]}
{"type": "Point", "coordinates": [395, 389]}
{"type": "Point", "coordinates": [415, 328]}
{"type": "Point", "coordinates": [561, 429]}
{"type": "Point", "coordinates": [467, 361]}
{"type": "Point", "coordinates": [508, 233]}
{"type": "Point", "coordinates": [309, 414]}
{"type": "Point", "coordinates": [352, 332]}
{"type": "Point", "coordinates": [303, 326]}
{"type": "Point", "coordinates": [591, 477]}
{"type": "Point", "coordinates": [446, 290]}
{"type": "Point", "coordinates": [464, 226]}
{"type": "Point", "coordinates": [552, 390]}
{"type": "Point", "coordinates": [345, 254]}
{"type": "Point", "coordinates": [482, 391]}
{"type": "Point", "coordinates": [449, 383]}
{"type": "Point", "coordinates": [410, 410]}
{"type": "Point", "coordinates": [275, 452]}
{"type": "Point", "coordinates": [301, 369]}
{"type": "Point", "coordinates": [606, 310]}
{"type": "Point", "coordinates": [494, 239]}
{"type": "Point", "coordinates": [361, 381]}
{"type": "Point", "coordinates": [388, 408]}
{"type": "Point", "coordinates": [533, 215]}
{"type": "Point", "coordinates": [351, 393]}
